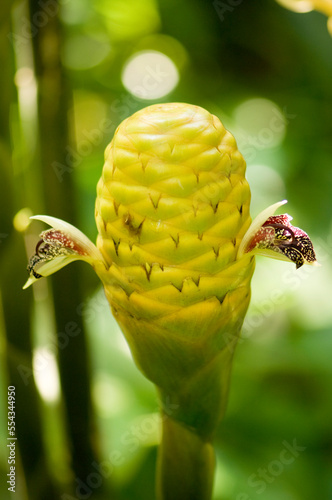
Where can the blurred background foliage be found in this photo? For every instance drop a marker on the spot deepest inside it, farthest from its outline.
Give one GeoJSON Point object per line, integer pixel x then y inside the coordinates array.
{"type": "Point", "coordinates": [87, 420]}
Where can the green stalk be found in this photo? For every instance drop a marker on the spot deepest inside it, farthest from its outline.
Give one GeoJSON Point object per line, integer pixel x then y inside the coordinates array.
{"type": "Point", "coordinates": [190, 417]}
{"type": "Point", "coordinates": [185, 466]}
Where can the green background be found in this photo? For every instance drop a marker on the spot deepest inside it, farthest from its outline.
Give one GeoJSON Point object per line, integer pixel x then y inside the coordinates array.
{"type": "Point", "coordinates": [87, 418]}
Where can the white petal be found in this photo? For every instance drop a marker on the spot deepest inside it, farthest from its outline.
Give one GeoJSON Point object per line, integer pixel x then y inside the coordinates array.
{"type": "Point", "coordinates": [55, 264]}
{"type": "Point", "coordinates": [83, 241]}
{"type": "Point", "coordinates": [52, 263]}
{"type": "Point", "coordinates": [30, 281]}
{"type": "Point", "coordinates": [256, 225]}
{"type": "Point", "coordinates": [52, 266]}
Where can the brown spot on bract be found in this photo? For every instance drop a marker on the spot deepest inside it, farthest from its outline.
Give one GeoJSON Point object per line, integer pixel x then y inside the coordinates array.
{"type": "Point", "coordinates": [214, 207]}
{"type": "Point", "coordinates": [196, 280]}
{"type": "Point", "coordinates": [148, 270]}
{"type": "Point", "coordinates": [179, 288]}
{"type": "Point", "coordinates": [116, 246]}
{"type": "Point", "coordinates": [176, 240]}
{"type": "Point", "coordinates": [216, 251]}
{"type": "Point", "coordinates": [129, 223]}
{"type": "Point", "coordinates": [155, 202]}
{"type": "Point", "coordinates": [116, 207]}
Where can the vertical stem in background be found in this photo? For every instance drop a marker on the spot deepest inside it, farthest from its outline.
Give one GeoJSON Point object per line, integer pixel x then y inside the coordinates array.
{"type": "Point", "coordinates": [16, 304]}
{"type": "Point", "coordinates": [53, 104]}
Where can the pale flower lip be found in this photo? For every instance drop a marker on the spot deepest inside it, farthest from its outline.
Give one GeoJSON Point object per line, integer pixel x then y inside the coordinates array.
{"type": "Point", "coordinates": [274, 236]}
{"type": "Point", "coordinates": [59, 246]}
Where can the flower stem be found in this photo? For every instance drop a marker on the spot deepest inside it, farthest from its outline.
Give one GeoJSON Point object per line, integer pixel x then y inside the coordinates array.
{"type": "Point", "coordinates": [190, 417]}
{"type": "Point", "coordinates": [185, 465]}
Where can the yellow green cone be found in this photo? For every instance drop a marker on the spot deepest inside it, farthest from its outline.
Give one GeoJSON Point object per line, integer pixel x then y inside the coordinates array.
{"type": "Point", "coordinates": [172, 208]}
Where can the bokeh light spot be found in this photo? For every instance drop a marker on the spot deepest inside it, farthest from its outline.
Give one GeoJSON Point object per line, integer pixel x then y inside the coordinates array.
{"type": "Point", "coordinates": [24, 77]}
{"type": "Point", "coordinates": [46, 375]}
{"type": "Point", "coordinates": [165, 44]}
{"type": "Point", "coordinates": [266, 185]}
{"type": "Point", "coordinates": [150, 75]}
{"type": "Point", "coordinates": [260, 123]}
{"type": "Point", "coordinates": [21, 219]}
{"type": "Point", "coordinates": [111, 395]}
{"type": "Point", "coordinates": [297, 5]}
{"type": "Point", "coordinates": [84, 52]}
{"type": "Point", "coordinates": [130, 19]}
{"type": "Point", "coordinates": [75, 12]}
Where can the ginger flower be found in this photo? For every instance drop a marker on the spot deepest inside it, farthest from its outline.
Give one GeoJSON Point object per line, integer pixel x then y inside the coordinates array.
{"type": "Point", "coordinates": [59, 246]}
{"type": "Point", "coordinates": [274, 236]}
{"type": "Point", "coordinates": [175, 252]}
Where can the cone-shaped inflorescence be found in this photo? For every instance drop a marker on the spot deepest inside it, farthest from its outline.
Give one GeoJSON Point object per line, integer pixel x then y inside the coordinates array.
{"type": "Point", "coordinates": [172, 208]}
